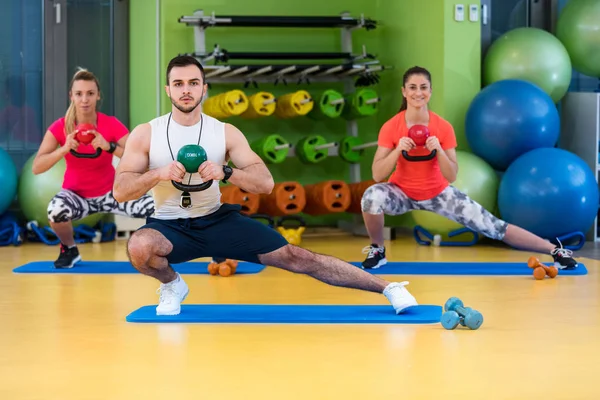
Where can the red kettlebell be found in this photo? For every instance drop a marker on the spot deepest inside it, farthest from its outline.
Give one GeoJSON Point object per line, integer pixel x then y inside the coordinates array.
{"type": "Point", "coordinates": [84, 136]}
{"type": "Point", "coordinates": [419, 135]}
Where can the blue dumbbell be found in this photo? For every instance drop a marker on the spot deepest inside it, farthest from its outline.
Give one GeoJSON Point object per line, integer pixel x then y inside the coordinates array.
{"type": "Point", "coordinates": [456, 313]}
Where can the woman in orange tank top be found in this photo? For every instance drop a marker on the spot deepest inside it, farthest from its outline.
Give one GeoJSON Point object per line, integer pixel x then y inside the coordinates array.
{"type": "Point", "coordinates": [426, 185]}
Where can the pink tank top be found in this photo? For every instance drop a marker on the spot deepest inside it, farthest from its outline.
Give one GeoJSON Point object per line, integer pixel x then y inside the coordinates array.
{"type": "Point", "coordinates": [90, 177]}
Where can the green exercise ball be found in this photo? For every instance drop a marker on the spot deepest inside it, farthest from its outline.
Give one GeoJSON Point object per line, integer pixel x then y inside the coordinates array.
{"type": "Point", "coordinates": [478, 180]}
{"type": "Point", "coordinates": [578, 29]}
{"type": "Point", "coordinates": [532, 55]}
{"type": "Point", "coordinates": [36, 191]}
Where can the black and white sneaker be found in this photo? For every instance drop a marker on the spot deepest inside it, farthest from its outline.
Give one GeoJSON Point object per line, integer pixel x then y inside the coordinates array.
{"type": "Point", "coordinates": [563, 258]}
{"type": "Point", "coordinates": [375, 257]}
{"type": "Point", "coordinates": [68, 257]}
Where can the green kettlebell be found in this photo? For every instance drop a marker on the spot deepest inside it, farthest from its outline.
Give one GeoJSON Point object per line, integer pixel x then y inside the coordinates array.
{"type": "Point", "coordinates": [191, 156]}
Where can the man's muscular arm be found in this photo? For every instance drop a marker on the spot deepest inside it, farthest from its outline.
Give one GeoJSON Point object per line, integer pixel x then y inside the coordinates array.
{"type": "Point", "coordinates": [250, 172]}
{"type": "Point", "coordinates": [133, 180]}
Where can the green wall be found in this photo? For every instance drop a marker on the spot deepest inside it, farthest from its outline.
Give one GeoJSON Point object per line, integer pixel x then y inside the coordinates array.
{"type": "Point", "coordinates": [462, 69]}
{"type": "Point", "coordinates": [143, 62]}
{"type": "Point", "coordinates": [410, 34]}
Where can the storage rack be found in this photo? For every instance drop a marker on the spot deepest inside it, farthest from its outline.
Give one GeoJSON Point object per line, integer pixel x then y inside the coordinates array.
{"type": "Point", "coordinates": [354, 70]}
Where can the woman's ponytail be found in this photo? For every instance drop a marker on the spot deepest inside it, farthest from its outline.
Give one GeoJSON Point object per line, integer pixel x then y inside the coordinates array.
{"type": "Point", "coordinates": [404, 105]}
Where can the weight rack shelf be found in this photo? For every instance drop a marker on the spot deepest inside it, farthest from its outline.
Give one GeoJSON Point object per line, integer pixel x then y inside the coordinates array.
{"type": "Point", "coordinates": [351, 73]}
{"type": "Point", "coordinates": [363, 65]}
{"type": "Point", "coordinates": [222, 55]}
{"type": "Point", "coordinates": [279, 21]}
{"type": "Point", "coordinates": [297, 72]}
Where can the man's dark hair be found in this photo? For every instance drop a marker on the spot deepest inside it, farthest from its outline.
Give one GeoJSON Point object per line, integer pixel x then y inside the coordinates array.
{"type": "Point", "coordinates": [184, 61]}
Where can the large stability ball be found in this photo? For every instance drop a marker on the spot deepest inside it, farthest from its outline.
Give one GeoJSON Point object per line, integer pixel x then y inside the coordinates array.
{"type": "Point", "coordinates": [530, 54]}
{"type": "Point", "coordinates": [509, 118]}
{"type": "Point", "coordinates": [8, 180]}
{"type": "Point", "coordinates": [36, 191]}
{"type": "Point", "coordinates": [477, 180]}
{"type": "Point", "coordinates": [550, 192]}
{"type": "Point", "coordinates": [578, 29]}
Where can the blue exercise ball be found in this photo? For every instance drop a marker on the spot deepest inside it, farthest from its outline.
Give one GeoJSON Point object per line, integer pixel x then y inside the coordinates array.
{"type": "Point", "coordinates": [8, 180]}
{"type": "Point", "coordinates": [509, 118]}
{"type": "Point", "coordinates": [550, 192]}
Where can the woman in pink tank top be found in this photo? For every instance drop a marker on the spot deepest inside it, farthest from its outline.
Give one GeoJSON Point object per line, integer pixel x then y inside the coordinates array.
{"type": "Point", "coordinates": [88, 140]}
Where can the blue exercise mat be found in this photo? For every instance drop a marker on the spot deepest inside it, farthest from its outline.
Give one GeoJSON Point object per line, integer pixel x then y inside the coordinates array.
{"type": "Point", "coordinates": [464, 268]}
{"type": "Point", "coordinates": [391, 268]}
{"type": "Point", "coordinates": [290, 314]}
{"type": "Point", "coordinates": [125, 267]}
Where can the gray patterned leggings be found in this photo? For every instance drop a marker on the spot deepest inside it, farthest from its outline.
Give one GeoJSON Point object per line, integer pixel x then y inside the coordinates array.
{"type": "Point", "coordinates": [389, 199]}
{"type": "Point", "coordinates": [69, 206]}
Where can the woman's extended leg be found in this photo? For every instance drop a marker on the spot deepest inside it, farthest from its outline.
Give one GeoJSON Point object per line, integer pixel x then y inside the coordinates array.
{"type": "Point", "coordinates": [457, 206]}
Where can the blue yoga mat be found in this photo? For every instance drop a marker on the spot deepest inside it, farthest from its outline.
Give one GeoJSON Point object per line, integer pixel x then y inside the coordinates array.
{"type": "Point", "coordinates": [463, 268]}
{"type": "Point", "coordinates": [391, 268]}
{"type": "Point", "coordinates": [124, 267]}
{"type": "Point", "coordinates": [290, 314]}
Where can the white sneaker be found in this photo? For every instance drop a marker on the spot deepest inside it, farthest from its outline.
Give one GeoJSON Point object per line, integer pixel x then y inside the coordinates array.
{"type": "Point", "coordinates": [399, 296]}
{"type": "Point", "coordinates": [172, 294]}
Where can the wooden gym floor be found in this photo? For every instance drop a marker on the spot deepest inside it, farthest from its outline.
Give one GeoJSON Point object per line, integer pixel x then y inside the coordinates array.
{"type": "Point", "coordinates": [65, 336]}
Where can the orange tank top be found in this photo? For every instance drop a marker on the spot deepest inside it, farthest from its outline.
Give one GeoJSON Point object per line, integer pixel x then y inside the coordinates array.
{"type": "Point", "coordinates": [421, 180]}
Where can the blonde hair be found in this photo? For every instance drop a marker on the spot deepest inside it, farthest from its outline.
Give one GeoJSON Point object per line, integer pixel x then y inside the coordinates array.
{"type": "Point", "coordinates": [82, 74]}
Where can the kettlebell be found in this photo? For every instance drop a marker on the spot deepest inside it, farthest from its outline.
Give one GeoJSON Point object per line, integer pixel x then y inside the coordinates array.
{"type": "Point", "coordinates": [419, 135]}
{"type": "Point", "coordinates": [292, 235]}
{"type": "Point", "coordinates": [191, 156]}
{"type": "Point", "coordinates": [83, 136]}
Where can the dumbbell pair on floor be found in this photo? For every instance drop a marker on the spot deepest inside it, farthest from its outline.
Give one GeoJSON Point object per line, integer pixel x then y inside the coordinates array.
{"type": "Point", "coordinates": [540, 270]}
{"type": "Point", "coordinates": [222, 267]}
{"type": "Point", "coordinates": [456, 313]}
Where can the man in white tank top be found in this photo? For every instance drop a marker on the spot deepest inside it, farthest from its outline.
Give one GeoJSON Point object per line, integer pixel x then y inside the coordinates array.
{"type": "Point", "coordinates": [186, 226]}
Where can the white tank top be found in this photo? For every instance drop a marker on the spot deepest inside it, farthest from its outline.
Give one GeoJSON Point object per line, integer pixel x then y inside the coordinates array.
{"type": "Point", "coordinates": [167, 198]}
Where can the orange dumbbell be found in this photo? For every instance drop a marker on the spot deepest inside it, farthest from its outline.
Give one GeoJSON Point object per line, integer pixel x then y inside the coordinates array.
{"type": "Point", "coordinates": [540, 270]}
{"type": "Point", "coordinates": [225, 268]}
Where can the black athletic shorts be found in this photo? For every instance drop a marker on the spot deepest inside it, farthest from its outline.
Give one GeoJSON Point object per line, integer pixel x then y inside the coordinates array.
{"type": "Point", "coordinates": [226, 233]}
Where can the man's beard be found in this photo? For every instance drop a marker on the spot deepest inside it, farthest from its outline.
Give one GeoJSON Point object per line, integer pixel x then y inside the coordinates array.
{"type": "Point", "coordinates": [183, 109]}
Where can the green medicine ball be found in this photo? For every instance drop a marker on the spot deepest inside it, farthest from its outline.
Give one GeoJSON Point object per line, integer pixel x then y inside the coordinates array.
{"type": "Point", "coordinates": [191, 156]}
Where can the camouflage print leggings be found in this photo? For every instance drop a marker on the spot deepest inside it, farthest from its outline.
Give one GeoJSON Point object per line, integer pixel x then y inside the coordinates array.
{"type": "Point", "coordinates": [389, 199]}
{"type": "Point", "coordinates": [68, 206]}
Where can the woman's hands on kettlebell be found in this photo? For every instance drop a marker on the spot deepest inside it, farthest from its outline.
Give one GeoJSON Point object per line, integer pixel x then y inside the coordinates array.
{"type": "Point", "coordinates": [99, 141]}
{"type": "Point", "coordinates": [71, 143]}
{"type": "Point", "coordinates": [406, 144]}
{"type": "Point", "coordinates": [433, 143]}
